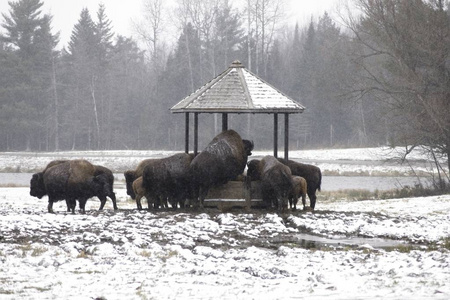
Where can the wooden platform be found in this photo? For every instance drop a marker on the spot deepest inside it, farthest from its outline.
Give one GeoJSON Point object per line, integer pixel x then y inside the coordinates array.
{"type": "Point", "coordinates": [246, 194]}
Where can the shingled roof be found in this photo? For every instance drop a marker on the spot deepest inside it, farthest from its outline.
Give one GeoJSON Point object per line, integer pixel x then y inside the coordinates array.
{"type": "Point", "coordinates": [237, 90]}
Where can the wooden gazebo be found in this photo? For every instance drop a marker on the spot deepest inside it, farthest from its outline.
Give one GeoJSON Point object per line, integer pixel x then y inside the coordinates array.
{"type": "Point", "coordinates": [237, 90]}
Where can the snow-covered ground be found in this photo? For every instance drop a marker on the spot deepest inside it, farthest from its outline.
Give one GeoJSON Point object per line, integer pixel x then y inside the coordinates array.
{"type": "Point", "coordinates": [234, 255]}
{"type": "Point", "coordinates": [390, 249]}
{"type": "Point", "coordinates": [379, 161]}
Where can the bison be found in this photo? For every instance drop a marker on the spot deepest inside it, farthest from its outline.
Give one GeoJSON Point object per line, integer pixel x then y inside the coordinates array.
{"type": "Point", "coordinates": [132, 175]}
{"type": "Point", "coordinates": [299, 188]}
{"type": "Point", "coordinates": [312, 175]}
{"type": "Point", "coordinates": [223, 159]}
{"type": "Point", "coordinates": [168, 179]}
{"type": "Point", "coordinates": [70, 180]}
{"type": "Point", "coordinates": [99, 170]}
{"type": "Point", "coordinates": [139, 192]}
{"type": "Point", "coordinates": [276, 180]}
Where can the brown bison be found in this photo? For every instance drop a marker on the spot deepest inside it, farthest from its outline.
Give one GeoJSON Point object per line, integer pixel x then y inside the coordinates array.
{"type": "Point", "coordinates": [312, 175]}
{"type": "Point", "coordinates": [132, 175]}
{"type": "Point", "coordinates": [70, 180]}
{"type": "Point", "coordinates": [299, 189]}
{"type": "Point", "coordinates": [276, 180]}
{"type": "Point", "coordinates": [168, 179]}
{"type": "Point", "coordinates": [139, 192]}
{"type": "Point", "coordinates": [223, 159]}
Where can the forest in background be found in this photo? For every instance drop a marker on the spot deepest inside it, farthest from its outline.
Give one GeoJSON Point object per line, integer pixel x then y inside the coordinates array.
{"type": "Point", "coordinates": [377, 76]}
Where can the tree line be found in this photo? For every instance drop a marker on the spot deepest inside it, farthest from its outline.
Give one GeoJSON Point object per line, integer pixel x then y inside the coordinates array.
{"type": "Point", "coordinates": [378, 75]}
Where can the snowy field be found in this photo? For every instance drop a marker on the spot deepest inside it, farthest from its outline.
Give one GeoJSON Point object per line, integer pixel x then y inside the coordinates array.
{"type": "Point", "coordinates": [390, 249]}
{"type": "Point", "coordinates": [380, 161]}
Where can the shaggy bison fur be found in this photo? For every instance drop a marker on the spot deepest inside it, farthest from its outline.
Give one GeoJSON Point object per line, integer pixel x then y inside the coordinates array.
{"type": "Point", "coordinates": [70, 180]}
{"type": "Point", "coordinates": [168, 179]}
{"type": "Point", "coordinates": [312, 175]}
{"type": "Point", "coordinates": [223, 159]}
{"type": "Point", "coordinates": [276, 180]}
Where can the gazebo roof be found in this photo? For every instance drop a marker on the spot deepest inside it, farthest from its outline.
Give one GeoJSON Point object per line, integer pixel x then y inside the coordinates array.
{"type": "Point", "coordinates": [237, 90]}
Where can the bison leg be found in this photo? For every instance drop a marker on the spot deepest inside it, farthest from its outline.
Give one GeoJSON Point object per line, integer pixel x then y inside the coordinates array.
{"type": "Point", "coordinates": [304, 201]}
{"type": "Point", "coordinates": [151, 202]}
{"type": "Point", "coordinates": [68, 205]}
{"type": "Point", "coordinates": [113, 199]}
{"type": "Point", "coordinates": [138, 202]}
{"type": "Point", "coordinates": [82, 203]}
{"type": "Point", "coordinates": [203, 192]}
{"type": "Point", "coordinates": [102, 202]}
{"type": "Point", "coordinates": [182, 202]}
{"type": "Point", "coordinates": [71, 205]}
{"type": "Point", "coordinates": [312, 198]}
{"type": "Point", "coordinates": [313, 201]}
{"type": "Point", "coordinates": [50, 206]}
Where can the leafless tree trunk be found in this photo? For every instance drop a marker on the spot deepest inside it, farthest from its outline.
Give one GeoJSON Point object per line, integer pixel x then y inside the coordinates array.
{"type": "Point", "coordinates": [56, 112]}
{"type": "Point", "coordinates": [94, 102]}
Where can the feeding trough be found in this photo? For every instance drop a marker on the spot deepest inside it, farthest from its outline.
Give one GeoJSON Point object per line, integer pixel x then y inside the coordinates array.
{"type": "Point", "coordinates": [237, 91]}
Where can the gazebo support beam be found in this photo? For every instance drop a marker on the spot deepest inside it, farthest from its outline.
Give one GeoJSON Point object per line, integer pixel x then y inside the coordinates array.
{"type": "Point", "coordinates": [224, 121]}
{"type": "Point", "coordinates": [195, 134]}
{"type": "Point", "coordinates": [186, 133]}
{"type": "Point", "coordinates": [275, 134]}
{"type": "Point", "coordinates": [286, 136]}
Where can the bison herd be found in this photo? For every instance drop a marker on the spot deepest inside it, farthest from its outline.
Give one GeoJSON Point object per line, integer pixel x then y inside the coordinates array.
{"type": "Point", "coordinates": [181, 179]}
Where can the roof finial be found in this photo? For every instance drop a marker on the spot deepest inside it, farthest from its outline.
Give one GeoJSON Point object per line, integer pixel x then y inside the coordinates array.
{"type": "Point", "coordinates": [236, 64]}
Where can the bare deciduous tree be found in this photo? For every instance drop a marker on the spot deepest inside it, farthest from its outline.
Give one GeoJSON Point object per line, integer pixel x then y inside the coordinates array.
{"type": "Point", "coordinates": [404, 62]}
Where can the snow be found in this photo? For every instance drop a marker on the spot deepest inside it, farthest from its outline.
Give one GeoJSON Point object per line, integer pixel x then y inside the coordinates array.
{"type": "Point", "coordinates": [256, 254]}
{"type": "Point", "coordinates": [364, 161]}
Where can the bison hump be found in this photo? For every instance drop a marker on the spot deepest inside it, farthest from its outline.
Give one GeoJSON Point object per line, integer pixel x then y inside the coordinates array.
{"type": "Point", "coordinates": [80, 171]}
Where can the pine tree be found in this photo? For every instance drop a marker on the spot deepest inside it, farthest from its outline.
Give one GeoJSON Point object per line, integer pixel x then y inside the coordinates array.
{"type": "Point", "coordinates": [229, 36]}
{"type": "Point", "coordinates": [83, 61]}
{"type": "Point", "coordinates": [28, 50]}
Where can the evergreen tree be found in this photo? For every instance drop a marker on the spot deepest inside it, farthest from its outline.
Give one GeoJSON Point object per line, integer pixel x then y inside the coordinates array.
{"type": "Point", "coordinates": [83, 63]}
{"type": "Point", "coordinates": [128, 97]}
{"type": "Point", "coordinates": [27, 55]}
{"type": "Point", "coordinates": [103, 83]}
{"type": "Point", "coordinates": [229, 35]}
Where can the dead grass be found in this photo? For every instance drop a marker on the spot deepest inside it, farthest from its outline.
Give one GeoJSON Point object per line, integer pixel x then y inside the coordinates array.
{"type": "Point", "coordinates": [363, 194]}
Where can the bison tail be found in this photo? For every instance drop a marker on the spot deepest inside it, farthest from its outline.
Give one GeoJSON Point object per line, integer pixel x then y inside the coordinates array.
{"type": "Point", "coordinates": [320, 180]}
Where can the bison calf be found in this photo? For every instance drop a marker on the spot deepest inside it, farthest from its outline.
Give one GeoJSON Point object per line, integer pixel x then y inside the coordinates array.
{"type": "Point", "coordinates": [132, 175]}
{"type": "Point", "coordinates": [312, 175]}
{"type": "Point", "coordinates": [299, 188]}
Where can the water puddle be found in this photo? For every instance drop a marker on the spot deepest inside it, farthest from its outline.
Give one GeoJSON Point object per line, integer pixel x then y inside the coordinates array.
{"type": "Point", "coordinates": [309, 241]}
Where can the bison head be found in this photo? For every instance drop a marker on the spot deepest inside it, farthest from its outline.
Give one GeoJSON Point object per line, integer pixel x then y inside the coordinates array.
{"type": "Point", "coordinates": [253, 169]}
{"type": "Point", "coordinates": [37, 187]}
{"type": "Point", "coordinates": [101, 186]}
{"type": "Point", "coordinates": [130, 176]}
{"type": "Point", "coordinates": [248, 146]}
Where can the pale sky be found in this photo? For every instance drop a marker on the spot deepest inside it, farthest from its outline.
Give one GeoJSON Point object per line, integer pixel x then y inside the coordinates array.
{"type": "Point", "coordinates": [122, 13]}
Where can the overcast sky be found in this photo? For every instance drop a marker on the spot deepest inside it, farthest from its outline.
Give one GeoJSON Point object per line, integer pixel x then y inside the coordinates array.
{"type": "Point", "coordinates": [122, 13]}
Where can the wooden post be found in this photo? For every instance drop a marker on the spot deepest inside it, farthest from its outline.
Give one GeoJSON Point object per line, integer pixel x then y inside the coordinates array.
{"type": "Point", "coordinates": [224, 121]}
{"type": "Point", "coordinates": [186, 133]}
{"type": "Point", "coordinates": [286, 136]}
{"type": "Point", "coordinates": [275, 134]}
{"type": "Point", "coordinates": [195, 134]}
